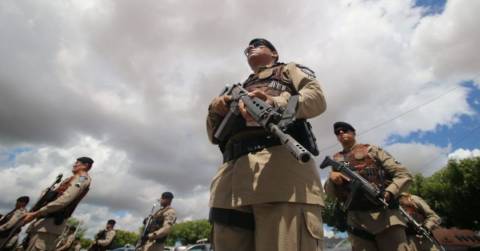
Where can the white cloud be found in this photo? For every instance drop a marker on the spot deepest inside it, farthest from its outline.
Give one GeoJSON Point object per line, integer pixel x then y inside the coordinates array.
{"type": "Point", "coordinates": [129, 83]}
{"type": "Point", "coordinates": [419, 158]}
{"type": "Point", "coordinates": [464, 154]}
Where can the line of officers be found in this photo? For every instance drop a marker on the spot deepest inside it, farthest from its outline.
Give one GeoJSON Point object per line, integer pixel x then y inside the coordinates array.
{"type": "Point", "coordinates": [48, 229]}
{"type": "Point", "coordinates": [263, 199]}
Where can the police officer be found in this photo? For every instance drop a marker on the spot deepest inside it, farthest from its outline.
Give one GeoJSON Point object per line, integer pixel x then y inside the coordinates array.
{"type": "Point", "coordinates": [161, 224]}
{"type": "Point", "coordinates": [262, 198]}
{"type": "Point", "coordinates": [371, 227]}
{"type": "Point", "coordinates": [50, 220]}
{"type": "Point", "coordinates": [425, 216]}
{"type": "Point", "coordinates": [8, 240]}
{"type": "Point", "coordinates": [104, 238]}
{"type": "Point", "coordinates": [66, 241]}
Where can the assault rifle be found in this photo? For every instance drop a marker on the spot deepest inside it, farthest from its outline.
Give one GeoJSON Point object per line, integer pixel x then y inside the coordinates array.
{"type": "Point", "coordinates": [48, 196]}
{"type": "Point", "coordinates": [356, 183]}
{"type": "Point", "coordinates": [274, 121]}
{"type": "Point", "coordinates": [373, 194]}
{"type": "Point", "coordinates": [147, 225]}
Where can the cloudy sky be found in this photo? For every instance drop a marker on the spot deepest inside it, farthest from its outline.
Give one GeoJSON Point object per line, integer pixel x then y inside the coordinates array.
{"type": "Point", "coordinates": [128, 83]}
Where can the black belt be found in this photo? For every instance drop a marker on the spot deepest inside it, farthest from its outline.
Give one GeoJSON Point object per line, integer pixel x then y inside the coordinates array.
{"type": "Point", "coordinates": [361, 233]}
{"type": "Point", "coordinates": [231, 217]}
{"type": "Point", "coordinates": [238, 148]}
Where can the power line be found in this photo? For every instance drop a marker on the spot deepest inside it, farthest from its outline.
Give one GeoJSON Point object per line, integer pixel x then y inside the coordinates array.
{"type": "Point", "coordinates": [397, 116]}
{"type": "Point", "coordinates": [457, 141]}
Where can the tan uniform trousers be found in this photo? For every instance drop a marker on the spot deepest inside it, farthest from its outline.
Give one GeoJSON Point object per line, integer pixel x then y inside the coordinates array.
{"type": "Point", "coordinates": [421, 244]}
{"type": "Point", "coordinates": [152, 246]}
{"type": "Point", "coordinates": [42, 241]}
{"type": "Point", "coordinates": [391, 239]}
{"type": "Point", "coordinates": [278, 227]}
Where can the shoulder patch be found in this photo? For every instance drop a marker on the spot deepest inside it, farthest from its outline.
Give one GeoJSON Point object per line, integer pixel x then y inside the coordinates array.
{"type": "Point", "coordinates": [310, 73]}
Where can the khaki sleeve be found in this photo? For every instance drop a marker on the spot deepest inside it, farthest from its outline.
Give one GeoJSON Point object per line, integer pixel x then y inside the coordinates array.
{"type": "Point", "coordinates": [108, 239]}
{"type": "Point", "coordinates": [170, 218]}
{"type": "Point", "coordinates": [78, 185]}
{"type": "Point", "coordinates": [312, 100]}
{"type": "Point", "coordinates": [213, 121]}
{"type": "Point", "coordinates": [431, 218]}
{"type": "Point", "coordinates": [16, 217]}
{"type": "Point", "coordinates": [68, 243]}
{"type": "Point", "coordinates": [401, 177]}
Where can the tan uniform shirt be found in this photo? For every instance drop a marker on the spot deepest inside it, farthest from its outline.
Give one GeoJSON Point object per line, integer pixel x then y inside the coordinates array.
{"type": "Point", "coordinates": [109, 235]}
{"type": "Point", "coordinates": [375, 221]}
{"type": "Point", "coordinates": [169, 217]}
{"type": "Point", "coordinates": [66, 242]}
{"type": "Point", "coordinates": [272, 174]}
{"type": "Point", "coordinates": [16, 217]}
{"type": "Point", "coordinates": [421, 207]}
{"type": "Point", "coordinates": [78, 185]}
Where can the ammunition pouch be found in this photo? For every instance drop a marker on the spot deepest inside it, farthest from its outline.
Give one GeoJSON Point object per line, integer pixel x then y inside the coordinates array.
{"type": "Point", "coordinates": [231, 217]}
{"type": "Point", "coordinates": [301, 131]}
{"type": "Point", "coordinates": [58, 217]}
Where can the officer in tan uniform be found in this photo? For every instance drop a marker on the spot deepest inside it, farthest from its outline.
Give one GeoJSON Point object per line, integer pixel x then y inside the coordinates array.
{"type": "Point", "coordinates": [9, 221]}
{"type": "Point", "coordinates": [425, 216]}
{"type": "Point", "coordinates": [66, 241]}
{"type": "Point", "coordinates": [50, 220]}
{"type": "Point", "coordinates": [104, 238]}
{"type": "Point", "coordinates": [262, 198]}
{"type": "Point", "coordinates": [161, 224]}
{"type": "Point", "coordinates": [371, 227]}
{"type": "Point", "coordinates": [77, 245]}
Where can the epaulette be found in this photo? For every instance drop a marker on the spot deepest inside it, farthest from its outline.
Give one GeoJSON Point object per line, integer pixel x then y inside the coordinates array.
{"type": "Point", "coordinates": [310, 73]}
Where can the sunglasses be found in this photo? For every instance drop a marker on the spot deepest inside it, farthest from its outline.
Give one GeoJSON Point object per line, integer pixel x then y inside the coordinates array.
{"type": "Point", "coordinates": [337, 132]}
{"type": "Point", "coordinates": [255, 44]}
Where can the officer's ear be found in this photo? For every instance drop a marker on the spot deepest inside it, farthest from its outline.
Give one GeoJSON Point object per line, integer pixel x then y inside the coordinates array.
{"type": "Point", "coordinates": [275, 55]}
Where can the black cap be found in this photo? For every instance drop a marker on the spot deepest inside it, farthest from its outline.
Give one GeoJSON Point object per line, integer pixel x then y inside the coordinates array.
{"type": "Point", "coordinates": [342, 125]}
{"type": "Point", "coordinates": [24, 199]}
{"type": "Point", "coordinates": [111, 222]}
{"type": "Point", "coordinates": [86, 160]}
{"type": "Point", "coordinates": [72, 228]}
{"type": "Point", "coordinates": [262, 41]}
{"type": "Point", "coordinates": [167, 195]}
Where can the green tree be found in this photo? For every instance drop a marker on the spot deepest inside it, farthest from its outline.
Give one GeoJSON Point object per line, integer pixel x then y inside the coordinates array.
{"type": "Point", "coordinates": [189, 232]}
{"type": "Point", "coordinates": [453, 193]}
{"type": "Point", "coordinates": [123, 237]}
{"type": "Point", "coordinates": [72, 221]}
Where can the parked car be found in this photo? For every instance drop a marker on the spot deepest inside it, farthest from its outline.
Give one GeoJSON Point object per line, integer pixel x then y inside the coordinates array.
{"type": "Point", "coordinates": [195, 247]}
{"type": "Point", "coordinates": [125, 248]}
